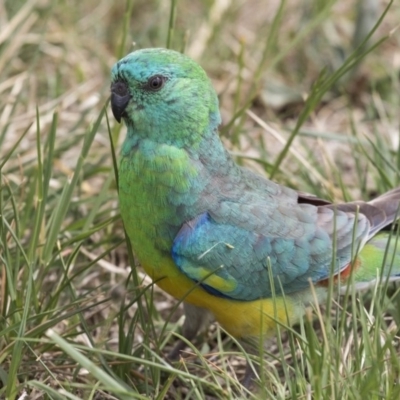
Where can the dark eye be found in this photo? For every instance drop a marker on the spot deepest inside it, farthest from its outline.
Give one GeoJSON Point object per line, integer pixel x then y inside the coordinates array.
{"type": "Point", "coordinates": [156, 82]}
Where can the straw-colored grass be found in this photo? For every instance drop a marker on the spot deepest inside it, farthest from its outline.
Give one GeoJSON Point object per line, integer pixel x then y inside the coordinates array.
{"type": "Point", "coordinates": [304, 99]}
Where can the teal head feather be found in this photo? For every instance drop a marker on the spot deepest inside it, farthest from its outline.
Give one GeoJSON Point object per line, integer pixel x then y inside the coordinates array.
{"type": "Point", "coordinates": [171, 94]}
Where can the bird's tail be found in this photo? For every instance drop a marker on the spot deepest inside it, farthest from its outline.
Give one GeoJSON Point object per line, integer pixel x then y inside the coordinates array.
{"type": "Point", "coordinates": [378, 259]}
{"type": "Point", "coordinates": [389, 202]}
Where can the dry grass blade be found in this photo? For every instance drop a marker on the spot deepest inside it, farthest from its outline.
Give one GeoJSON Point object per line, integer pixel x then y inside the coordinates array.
{"type": "Point", "coordinates": [63, 268]}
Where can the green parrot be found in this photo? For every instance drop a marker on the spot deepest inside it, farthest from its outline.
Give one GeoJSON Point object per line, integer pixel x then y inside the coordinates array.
{"type": "Point", "coordinates": [231, 244]}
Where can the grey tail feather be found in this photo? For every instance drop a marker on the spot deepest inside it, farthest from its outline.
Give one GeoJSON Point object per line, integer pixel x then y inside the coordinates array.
{"type": "Point", "coordinates": [389, 204]}
{"type": "Point", "coordinates": [380, 212]}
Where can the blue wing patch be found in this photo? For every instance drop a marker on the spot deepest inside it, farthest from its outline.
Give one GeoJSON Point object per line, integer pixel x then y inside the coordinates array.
{"type": "Point", "coordinates": [229, 261]}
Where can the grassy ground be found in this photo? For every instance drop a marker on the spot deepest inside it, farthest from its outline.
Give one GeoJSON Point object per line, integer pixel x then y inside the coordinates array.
{"type": "Point", "coordinates": [303, 100]}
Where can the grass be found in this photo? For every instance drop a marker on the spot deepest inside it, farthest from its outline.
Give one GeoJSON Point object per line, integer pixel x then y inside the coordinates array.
{"type": "Point", "coordinates": [77, 322]}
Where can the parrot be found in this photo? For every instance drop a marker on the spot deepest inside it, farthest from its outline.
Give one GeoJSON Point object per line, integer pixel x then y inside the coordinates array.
{"type": "Point", "coordinates": [230, 244]}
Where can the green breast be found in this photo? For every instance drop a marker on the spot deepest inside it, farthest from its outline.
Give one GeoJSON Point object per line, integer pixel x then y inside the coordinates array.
{"type": "Point", "coordinates": [154, 182]}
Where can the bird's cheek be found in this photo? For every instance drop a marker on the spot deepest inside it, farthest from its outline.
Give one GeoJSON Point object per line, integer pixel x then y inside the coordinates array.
{"type": "Point", "coordinates": [139, 117]}
{"type": "Point", "coordinates": [137, 107]}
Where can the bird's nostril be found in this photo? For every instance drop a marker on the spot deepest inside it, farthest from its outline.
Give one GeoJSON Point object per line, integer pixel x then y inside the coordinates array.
{"type": "Point", "coordinates": [120, 88]}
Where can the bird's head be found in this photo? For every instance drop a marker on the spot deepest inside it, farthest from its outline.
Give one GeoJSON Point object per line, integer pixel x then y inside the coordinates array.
{"type": "Point", "coordinates": [165, 96]}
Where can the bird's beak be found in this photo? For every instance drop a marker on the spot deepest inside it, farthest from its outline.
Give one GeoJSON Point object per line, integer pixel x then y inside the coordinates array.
{"type": "Point", "coordinates": [120, 97]}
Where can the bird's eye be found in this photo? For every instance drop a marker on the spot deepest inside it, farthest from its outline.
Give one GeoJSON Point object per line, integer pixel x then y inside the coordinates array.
{"type": "Point", "coordinates": [156, 82]}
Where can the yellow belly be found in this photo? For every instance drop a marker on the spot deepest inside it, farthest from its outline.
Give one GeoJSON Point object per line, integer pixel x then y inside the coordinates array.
{"type": "Point", "coordinates": [239, 318]}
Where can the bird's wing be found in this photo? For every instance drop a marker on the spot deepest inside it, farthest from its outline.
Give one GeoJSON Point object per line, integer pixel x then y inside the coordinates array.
{"type": "Point", "coordinates": [250, 251]}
